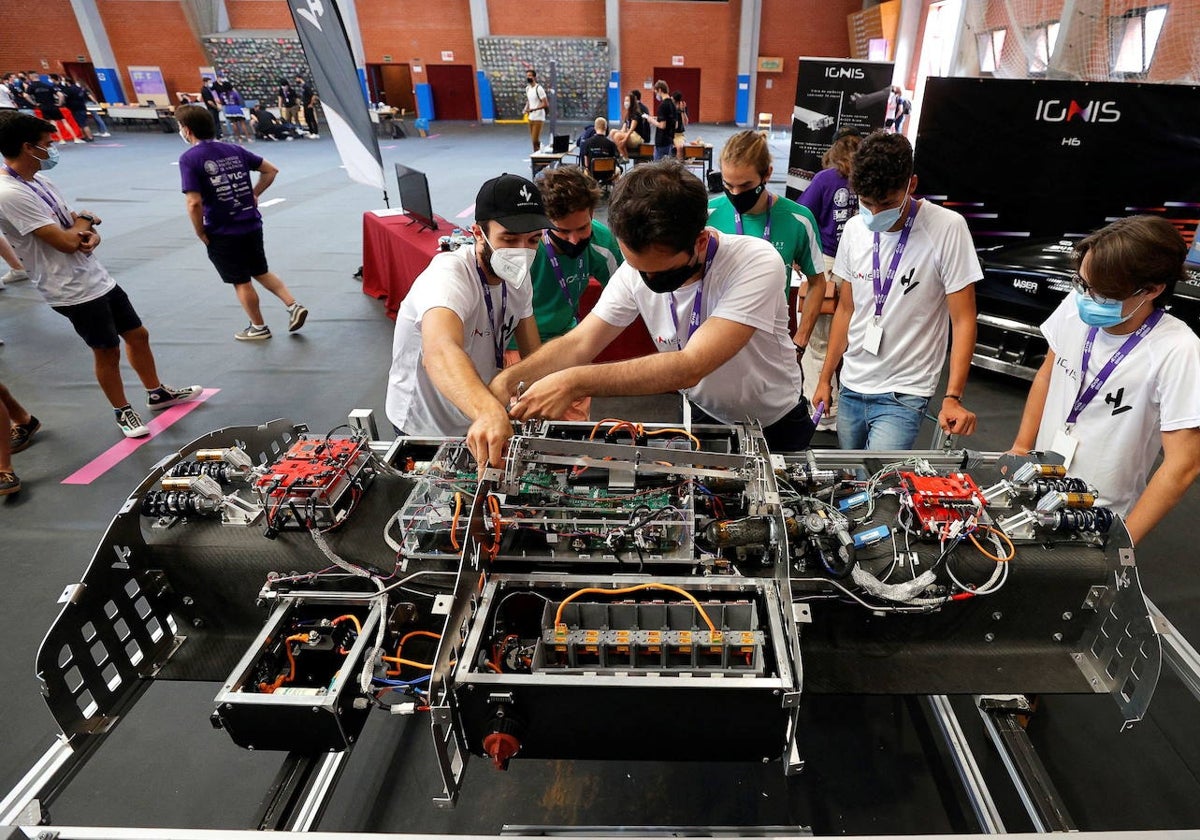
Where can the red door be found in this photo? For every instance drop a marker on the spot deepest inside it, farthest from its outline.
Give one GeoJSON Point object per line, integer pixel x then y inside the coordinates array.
{"type": "Point", "coordinates": [453, 89]}
{"type": "Point", "coordinates": [686, 80]}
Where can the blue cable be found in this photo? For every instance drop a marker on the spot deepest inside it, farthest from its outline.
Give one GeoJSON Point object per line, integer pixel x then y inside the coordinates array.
{"type": "Point", "coordinates": [401, 683]}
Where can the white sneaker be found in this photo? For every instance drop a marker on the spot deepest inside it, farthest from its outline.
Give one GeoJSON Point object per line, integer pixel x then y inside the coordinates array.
{"type": "Point", "coordinates": [13, 276]}
{"type": "Point", "coordinates": [78, 140]}
{"type": "Point", "coordinates": [104, 134]}
{"type": "Point", "coordinates": [131, 424]}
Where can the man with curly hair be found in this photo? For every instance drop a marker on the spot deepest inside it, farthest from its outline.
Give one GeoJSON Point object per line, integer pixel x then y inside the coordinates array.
{"type": "Point", "coordinates": [911, 268]}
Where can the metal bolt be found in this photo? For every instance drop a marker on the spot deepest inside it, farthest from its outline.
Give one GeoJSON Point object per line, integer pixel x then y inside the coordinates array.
{"type": "Point", "coordinates": [197, 623]}
{"type": "Point", "coordinates": [1058, 637]}
{"type": "Point", "coordinates": [1066, 616]}
{"type": "Point", "coordinates": [989, 637]}
{"type": "Point", "coordinates": [997, 615]}
{"type": "Point", "coordinates": [776, 692]}
{"type": "Point", "coordinates": [188, 600]}
{"type": "Point", "coordinates": [766, 759]}
{"type": "Point", "coordinates": [316, 709]}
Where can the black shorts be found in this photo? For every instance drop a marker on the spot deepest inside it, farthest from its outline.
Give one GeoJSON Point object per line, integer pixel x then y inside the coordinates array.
{"type": "Point", "coordinates": [102, 322]}
{"type": "Point", "coordinates": [239, 257]}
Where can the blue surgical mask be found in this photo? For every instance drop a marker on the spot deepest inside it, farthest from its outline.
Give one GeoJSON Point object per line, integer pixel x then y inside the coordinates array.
{"type": "Point", "coordinates": [884, 219]}
{"type": "Point", "coordinates": [51, 160]}
{"type": "Point", "coordinates": [1102, 313]}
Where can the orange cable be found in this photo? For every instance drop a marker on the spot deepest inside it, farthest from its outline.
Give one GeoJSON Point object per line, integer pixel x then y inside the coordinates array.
{"type": "Point", "coordinates": [640, 587]}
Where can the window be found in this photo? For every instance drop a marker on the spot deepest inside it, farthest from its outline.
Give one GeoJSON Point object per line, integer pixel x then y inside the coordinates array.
{"type": "Point", "coordinates": [1133, 37]}
{"type": "Point", "coordinates": [991, 47]}
{"type": "Point", "coordinates": [1042, 39]}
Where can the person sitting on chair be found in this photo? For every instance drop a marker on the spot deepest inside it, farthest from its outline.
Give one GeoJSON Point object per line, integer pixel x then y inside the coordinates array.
{"type": "Point", "coordinates": [598, 146]}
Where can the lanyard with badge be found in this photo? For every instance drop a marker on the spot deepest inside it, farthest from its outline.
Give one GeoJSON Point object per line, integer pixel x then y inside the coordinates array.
{"type": "Point", "coordinates": [552, 256]}
{"type": "Point", "coordinates": [45, 195]}
{"type": "Point", "coordinates": [498, 339]}
{"type": "Point", "coordinates": [737, 220]}
{"type": "Point", "coordinates": [883, 287]}
{"type": "Point", "coordinates": [1064, 444]}
{"type": "Point", "coordinates": [694, 321]}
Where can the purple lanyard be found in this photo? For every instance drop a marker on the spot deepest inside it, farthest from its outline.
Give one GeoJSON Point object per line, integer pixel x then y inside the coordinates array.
{"type": "Point", "coordinates": [44, 195]}
{"type": "Point", "coordinates": [694, 321]}
{"type": "Point", "coordinates": [737, 220]}
{"type": "Point", "coordinates": [498, 336]}
{"type": "Point", "coordinates": [883, 290]}
{"type": "Point", "coordinates": [552, 255]}
{"type": "Point", "coordinates": [1088, 393]}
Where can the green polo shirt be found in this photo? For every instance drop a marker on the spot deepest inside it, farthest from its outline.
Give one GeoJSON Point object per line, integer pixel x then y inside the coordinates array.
{"type": "Point", "coordinates": [794, 231]}
{"type": "Point", "coordinates": [554, 313]}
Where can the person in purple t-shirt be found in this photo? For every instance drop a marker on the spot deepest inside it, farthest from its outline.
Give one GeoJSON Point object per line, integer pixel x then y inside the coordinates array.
{"type": "Point", "coordinates": [223, 206]}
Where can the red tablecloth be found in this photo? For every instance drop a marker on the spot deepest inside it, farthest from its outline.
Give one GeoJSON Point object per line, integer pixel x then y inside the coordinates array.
{"type": "Point", "coordinates": [395, 251]}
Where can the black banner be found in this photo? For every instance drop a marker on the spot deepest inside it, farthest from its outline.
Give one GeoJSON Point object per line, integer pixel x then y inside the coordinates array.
{"type": "Point", "coordinates": [1026, 159]}
{"type": "Point", "coordinates": [833, 93]}
{"type": "Point", "coordinates": [335, 76]}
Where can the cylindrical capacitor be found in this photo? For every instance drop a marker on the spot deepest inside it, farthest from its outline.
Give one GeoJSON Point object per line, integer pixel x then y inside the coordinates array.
{"type": "Point", "coordinates": [726, 533]}
{"type": "Point", "coordinates": [209, 455]}
{"type": "Point", "coordinates": [1052, 470]}
{"type": "Point", "coordinates": [177, 484]}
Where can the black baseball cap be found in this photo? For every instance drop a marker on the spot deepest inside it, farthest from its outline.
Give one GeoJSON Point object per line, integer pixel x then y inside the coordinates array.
{"type": "Point", "coordinates": [514, 202]}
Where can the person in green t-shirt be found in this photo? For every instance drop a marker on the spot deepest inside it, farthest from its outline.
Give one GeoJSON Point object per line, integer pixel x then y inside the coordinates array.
{"type": "Point", "coordinates": [575, 249]}
{"type": "Point", "coordinates": [748, 207]}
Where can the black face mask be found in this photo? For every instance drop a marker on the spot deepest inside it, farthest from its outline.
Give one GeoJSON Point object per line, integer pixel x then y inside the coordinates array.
{"type": "Point", "coordinates": [569, 249]}
{"type": "Point", "coordinates": [664, 282]}
{"type": "Point", "coordinates": [743, 201]}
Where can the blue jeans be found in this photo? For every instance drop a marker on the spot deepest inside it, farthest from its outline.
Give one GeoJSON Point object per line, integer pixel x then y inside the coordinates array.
{"type": "Point", "coordinates": [661, 152]}
{"type": "Point", "coordinates": [879, 421]}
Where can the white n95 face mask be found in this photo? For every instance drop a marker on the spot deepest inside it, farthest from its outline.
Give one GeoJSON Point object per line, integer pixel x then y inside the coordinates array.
{"type": "Point", "coordinates": [511, 265]}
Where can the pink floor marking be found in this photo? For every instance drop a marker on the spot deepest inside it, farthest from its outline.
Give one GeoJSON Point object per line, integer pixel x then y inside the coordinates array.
{"type": "Point", "coordinates": [118, 452]}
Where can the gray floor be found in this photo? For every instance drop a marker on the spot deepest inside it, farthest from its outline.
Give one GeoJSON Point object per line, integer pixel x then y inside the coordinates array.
{"type": "Point", "coordinates": [165, 766]}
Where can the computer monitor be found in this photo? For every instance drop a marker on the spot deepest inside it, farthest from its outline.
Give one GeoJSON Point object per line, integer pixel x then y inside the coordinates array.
{"type": "Point", "coordinates": [414, 196]}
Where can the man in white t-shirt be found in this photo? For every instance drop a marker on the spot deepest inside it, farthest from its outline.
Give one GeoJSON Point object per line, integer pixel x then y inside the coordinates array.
{"type": "Point", "coordinates": [57, 246]}
{"type": "Point", "coordinates": [910, 267]}
{"type": "Point", "coordinates": [535, 107]}
{"type": "Point", "coordinates": [1109, 424]}
{"type": "Point", "coordinates": [710, 301]}
{"type": "Point", "coordinates": [457, 319]}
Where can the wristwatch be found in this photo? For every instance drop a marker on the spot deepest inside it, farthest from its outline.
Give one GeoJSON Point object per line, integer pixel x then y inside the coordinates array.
{"type": "Point", "coordinates": [87, 217]}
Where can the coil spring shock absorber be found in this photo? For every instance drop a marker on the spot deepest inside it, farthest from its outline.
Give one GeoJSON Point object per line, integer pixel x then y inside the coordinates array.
{"type": "Point", "coordinates": [158, 503]}
{"type": "Point", "coordinates": [1078, 520]}
{"type": "Point", "coordinates": [213, 469]}
{"type": "Point", "coordinates": [1042, 486]}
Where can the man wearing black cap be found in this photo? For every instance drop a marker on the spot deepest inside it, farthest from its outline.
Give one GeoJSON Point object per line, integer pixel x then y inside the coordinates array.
{"type": "Point", "coordinates": [458, 317]}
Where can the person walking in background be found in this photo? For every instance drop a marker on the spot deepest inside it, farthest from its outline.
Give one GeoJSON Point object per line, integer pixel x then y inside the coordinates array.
{"type": "Point", "coordinates": [57, 246]}
{"type": "Point", "coordinates": [17, 428]}
{"type": "Point", "coordinates": [681, 121]}
{"type": "Point", "coordinates": [223, 207]}
{"type": "Point", "coordinates": [833, 202]}
{"type": "Point", "coordinates": [289, 102]}
{"type": "Point", "coordinates": [664, 120]}
{"type": "Point", "coordinates": [75, 101]}
{"type": "Point", "coordinates": [88, 96]}
{"type": "Point", "coordinates": [45, 98]}
{"type": "Point", "coordinates": [535, 107]}
{"type": "Point", "coordinates": [235, 112]}
{"type": "Point", "coordinates": [212, 101]}
{"type": "Point", "coordinates": [308, 101]}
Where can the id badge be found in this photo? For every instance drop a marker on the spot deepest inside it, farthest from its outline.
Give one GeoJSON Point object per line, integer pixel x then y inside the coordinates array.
{"type": "Point", "coordinates": [1064, 445]}
{"type": "Point", "coordinates": [873, 339]}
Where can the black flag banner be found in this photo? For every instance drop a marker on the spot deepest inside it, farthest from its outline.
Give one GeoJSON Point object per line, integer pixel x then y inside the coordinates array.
{"type": "Point", "coordinates": [327, 48]}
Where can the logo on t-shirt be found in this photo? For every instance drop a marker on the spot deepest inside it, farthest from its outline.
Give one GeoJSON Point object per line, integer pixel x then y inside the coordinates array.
{"type": "Point", "coordinates": [906, 280]}
{"type": "Point", "coordinates": [211, 167]}
{"type": "Point", "coordinates": [1115, 401]}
